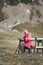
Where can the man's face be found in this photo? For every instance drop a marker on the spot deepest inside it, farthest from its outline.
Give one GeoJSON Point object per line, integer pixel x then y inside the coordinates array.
{"type": "Point", "coordinates": [24, 33]}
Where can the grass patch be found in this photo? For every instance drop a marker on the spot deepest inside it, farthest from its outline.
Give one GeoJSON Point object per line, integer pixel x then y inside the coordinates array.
{"type": "Point", "coordinates": [8, 45]}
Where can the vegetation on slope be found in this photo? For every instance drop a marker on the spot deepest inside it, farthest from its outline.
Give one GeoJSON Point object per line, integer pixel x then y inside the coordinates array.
{"type": "Point", "coordinates": [35, 29]}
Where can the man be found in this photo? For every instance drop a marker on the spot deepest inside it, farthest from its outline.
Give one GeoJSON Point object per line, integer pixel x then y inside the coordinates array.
{"type": "Point", "coordinates": [27, 44]}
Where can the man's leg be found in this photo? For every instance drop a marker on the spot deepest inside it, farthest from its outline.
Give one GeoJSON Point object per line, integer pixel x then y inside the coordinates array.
{"type": "Point", "coordinates": [24, 48]}
{"type": "Point", "coordinates": [29, 50]}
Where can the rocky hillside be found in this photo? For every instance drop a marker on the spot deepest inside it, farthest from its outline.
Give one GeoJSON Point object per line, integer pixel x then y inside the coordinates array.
{"type": "Point", "coordinates": [20, 13]}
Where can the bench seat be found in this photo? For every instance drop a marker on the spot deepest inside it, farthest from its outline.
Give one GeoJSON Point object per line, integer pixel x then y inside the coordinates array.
{"type": "Point", "coordinates": [39, 47]}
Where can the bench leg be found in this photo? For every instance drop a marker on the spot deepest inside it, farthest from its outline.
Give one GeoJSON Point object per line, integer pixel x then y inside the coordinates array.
{"type": "Point", "coordinates": [42, 50]}
{"type": "Point", "coordinates": [37, 45]}
{"type": "Point", "coordinates": [37, 50]}
{"type": "Point", "coordinates": [42, 45]}
{"type": "Point", "coordinates": [29, 50]}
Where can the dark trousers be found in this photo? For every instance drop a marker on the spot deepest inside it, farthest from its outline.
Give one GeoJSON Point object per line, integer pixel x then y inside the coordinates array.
{"type": "Point", "coordinates": [23, 48]}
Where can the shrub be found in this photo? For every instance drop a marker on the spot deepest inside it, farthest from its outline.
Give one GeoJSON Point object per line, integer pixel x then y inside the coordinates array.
{"type": "Point", "coordinates": [38, 14]}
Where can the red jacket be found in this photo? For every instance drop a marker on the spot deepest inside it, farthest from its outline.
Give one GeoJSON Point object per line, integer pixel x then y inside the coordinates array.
{"type": "Point", "coordinates": [27, 42]}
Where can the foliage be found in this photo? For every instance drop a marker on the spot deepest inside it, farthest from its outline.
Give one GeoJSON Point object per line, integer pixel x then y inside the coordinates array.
{"type": "Point", "coordinates": [38, 14]}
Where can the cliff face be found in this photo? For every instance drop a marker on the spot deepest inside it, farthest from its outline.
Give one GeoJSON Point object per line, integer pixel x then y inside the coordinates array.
{"type": "Point", "coordinates": [14, 14]}
{"type": "Point", "coordinates": [20, 8]}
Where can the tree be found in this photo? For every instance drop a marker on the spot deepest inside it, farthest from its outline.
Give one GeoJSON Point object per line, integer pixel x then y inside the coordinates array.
{"type": "Point", "coordinates": [37, 1]}
{"type": "Point", "coordinates": [12, 2]}
{"type": "Point", "coordinates": [1, 6]}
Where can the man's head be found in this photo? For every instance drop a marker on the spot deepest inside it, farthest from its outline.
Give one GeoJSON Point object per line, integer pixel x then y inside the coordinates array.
{"type": "Point", "coordinates": [25, 32]}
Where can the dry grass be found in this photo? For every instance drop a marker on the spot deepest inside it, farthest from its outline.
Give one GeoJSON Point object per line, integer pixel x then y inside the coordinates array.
{"type": "Point", "coordinates": [35, 29]}
{"type": "Point", "coordinates": [8, 45]}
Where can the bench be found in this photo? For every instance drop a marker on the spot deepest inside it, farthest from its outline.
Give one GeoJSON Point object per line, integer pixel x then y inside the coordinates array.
{"type": "Point", "coordinates": [39, 47]}
{"type": "Point", "coordinates": [38, 41]}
